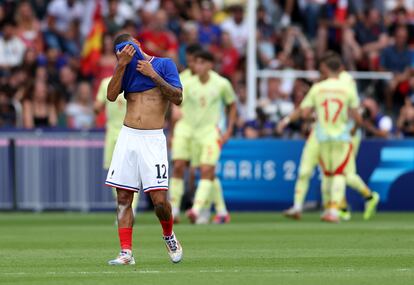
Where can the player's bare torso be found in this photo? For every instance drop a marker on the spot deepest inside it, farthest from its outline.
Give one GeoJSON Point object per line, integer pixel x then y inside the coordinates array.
{"type": "Point", "coordinates": [146, 110]}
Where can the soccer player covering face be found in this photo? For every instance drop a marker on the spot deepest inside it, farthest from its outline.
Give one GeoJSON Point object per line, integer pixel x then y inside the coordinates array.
{"type": "Point", "coordinates": [198, 138]}
{"type": "Point", "coordinates": [332, 100]}
{"type": "Point", "coordinates": [140, 157]}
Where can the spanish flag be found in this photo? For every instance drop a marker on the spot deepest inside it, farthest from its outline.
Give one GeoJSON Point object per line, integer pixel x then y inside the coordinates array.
{"type": "Point", "coordinates": [92, 47]}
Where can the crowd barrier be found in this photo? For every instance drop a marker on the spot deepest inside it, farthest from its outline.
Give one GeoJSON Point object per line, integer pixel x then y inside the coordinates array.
{"type": "Point", "coordinates": [63, 171]}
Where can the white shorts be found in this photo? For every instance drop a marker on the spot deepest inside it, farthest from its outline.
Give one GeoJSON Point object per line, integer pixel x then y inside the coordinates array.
{"type": "Point", "coordinates": [139, 161]}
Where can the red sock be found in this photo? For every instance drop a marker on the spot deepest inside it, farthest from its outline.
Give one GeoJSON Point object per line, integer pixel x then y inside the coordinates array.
{"type": "Point", "coordinates": [125, 238]}
{"type": "Point", "coordinates": [167, 227]}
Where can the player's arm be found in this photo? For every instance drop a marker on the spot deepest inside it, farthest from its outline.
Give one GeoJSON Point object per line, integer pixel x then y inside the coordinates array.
{"type": "Point", "coordinates": [356, 116]}
{"type": "Point", "coordinates": [231, 122]}
{"type": "Point", "coordinates": [292, 117]}
{"type": "Point", "coordinates": [353, 109]}
{"type": "Point", "coordinates": [99, 103]}
{"type": "Point", "coordinates": [98, 107]}
{"type": "Point", "coordinates": [229, 99]}
{"type": "Point", "coordinates": [115, 85]}
{"type": "Point", "coordinates": [173, 94]}
{"type": "Point", "coordinates": [304, 111]}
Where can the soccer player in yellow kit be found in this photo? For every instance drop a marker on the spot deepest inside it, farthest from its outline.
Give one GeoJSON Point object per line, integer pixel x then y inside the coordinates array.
{"type": "Point", "coordinates": [310, 158]}
{"type": "Point", "coordinates": [196, 136]}
{"type": "Point", "coordinates": [115, 113]}
{"type": "Point", "coordinates": [181, 152]}
{"type": "Point", "coordinates": [333, 100]}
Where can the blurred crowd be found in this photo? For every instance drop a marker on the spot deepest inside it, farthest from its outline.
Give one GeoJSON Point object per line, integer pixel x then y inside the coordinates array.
{"type": "Point", "coordinates": [47, 80]}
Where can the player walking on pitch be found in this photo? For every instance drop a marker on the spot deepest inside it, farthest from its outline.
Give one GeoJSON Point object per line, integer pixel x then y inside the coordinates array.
{"type": "Point", "coordinates": [140, 159]}
{"type": "Point", "coordinates": [310, 159]}
{"type": "Point", "coordinates": [198, 138]}
{"type": "Point", "coordinates": [333, 100]}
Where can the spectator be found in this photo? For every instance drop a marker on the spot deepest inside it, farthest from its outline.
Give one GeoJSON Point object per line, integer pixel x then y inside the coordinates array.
{"type": "Point", "coordinates": [106, 63]}
{"type": "Point", "coordinates": [72, 41]}
{"type": "Point", "coordinates": [301, 128]}
{"type": "Point", "coordinates": [157, 40]}
{"type": "Point", "coordinates": [17, 81]}
{"type": "Point", "coordinates": [264, 26]}
{"type": "Point", "coordinates": [11, 48]}
{"type": "Point", "coordinates": [61, 15]}
{"type": "Point", "coordinates": [310, 10]}
{"type": "Point", "coordinates": [237, 28]}
{"type": "Point", "coordinates": [296, 41]}
{"type": "Point", "coordinates": [188, 37]}
{"type": "Point", "coordinates": [67, 80]}
{"type": "Point", "coordinates": [226, 56]}
{"type": "Point", "coordinates": [376, 124]}
{"type": "Point", "coordinates": [208, 33]}
{"type": "Point", "coordinates": [242, 115]}
{"type": "Point", "coordinates": [405, 122]}
{"type": "Point", "coordinates": [38, 108]}
{"type": "Point", "coordinates": [400, 17]}
{"type": "Point", "coordinates": [266, 52]}
{"type": "Point", "coordinates": [333, 20]}
{"type": "Point", "coordinates": [28, 27]}
{"type": "Point", "coordinates": [366, 41]}
{"type": "Point", "coordinates": [397, 59]}
{"type": "Point", "coordinates": [360, 7]}
{"type": "Point", "coordinates": [80, 111]}
{"type": "Point", "coordinates": [277, 104]}
{"type": "Point", "coordinates": [8, 114]}
{"type": "Point", "coordinates": [118, 14]}
{"type": "Point", "coordinates": [259, 127]}
{"type": "Point", "coordinates": [53, 62]}
{"type": "Point", "coordinates": [150, 6]}
{"type": "Point", "coordinates": [174, 21]}
{"type": "Point", "coordinates": [30, 61]}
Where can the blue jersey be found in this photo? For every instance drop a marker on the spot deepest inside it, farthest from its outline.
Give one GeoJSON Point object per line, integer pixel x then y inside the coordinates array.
{"type": "Point", "coordinates": [135, 81]}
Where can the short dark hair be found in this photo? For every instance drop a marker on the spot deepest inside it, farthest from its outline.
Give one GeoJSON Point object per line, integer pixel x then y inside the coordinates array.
{"type": "Point", "coordinates": [193, 48]}
{"type": "Point", "coordinates": [206, 55]}
{"type": "Point", "coordinates": [121, 38]}
{"type": "Point", "coordinates": [332, 60]}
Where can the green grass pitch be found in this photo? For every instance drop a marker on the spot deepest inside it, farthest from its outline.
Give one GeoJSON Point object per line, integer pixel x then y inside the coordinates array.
{"type": "Point", "coordinates": [256, 248]}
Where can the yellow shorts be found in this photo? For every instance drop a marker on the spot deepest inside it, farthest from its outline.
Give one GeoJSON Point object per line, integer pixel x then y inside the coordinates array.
{"type": "Point", "coordinates": [205, 151]}
{"type": "Point", "coordinates": [335, 157]}
{"type": "Point", "coordinates": [201, 147]}
{"type": "Point", "coordinates": [310, 156]}
{"type": "Point", "coordinates": [181, 142]}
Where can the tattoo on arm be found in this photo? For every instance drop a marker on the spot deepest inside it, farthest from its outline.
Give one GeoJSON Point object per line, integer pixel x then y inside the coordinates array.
{"type": "Point", "coordinates": [172, 93]}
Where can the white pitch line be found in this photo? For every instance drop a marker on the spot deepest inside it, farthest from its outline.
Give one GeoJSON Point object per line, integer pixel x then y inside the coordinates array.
{"type": "Point", "coordinates": [151, 272]}
{"type": "Point", "coordinates": [178, 271]}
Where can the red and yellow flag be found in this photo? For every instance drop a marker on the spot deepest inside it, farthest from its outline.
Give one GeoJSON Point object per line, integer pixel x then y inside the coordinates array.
{"type": "Point", "coordinates": [92, 47]}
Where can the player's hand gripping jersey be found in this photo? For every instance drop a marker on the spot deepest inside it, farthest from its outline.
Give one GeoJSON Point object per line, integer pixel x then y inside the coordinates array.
{"type": "Point", "coordinates": [134, 81]}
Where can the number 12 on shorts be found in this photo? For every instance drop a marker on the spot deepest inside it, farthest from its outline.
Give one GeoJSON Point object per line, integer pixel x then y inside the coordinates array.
{"type": "Point", "coordinates": [161, 168]}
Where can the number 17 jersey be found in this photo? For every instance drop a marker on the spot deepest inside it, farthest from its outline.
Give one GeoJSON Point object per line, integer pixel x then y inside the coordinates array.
{"type": "Point", "coordinates": [331, 100]}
